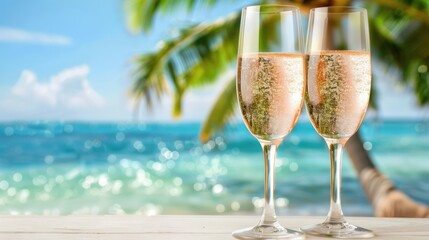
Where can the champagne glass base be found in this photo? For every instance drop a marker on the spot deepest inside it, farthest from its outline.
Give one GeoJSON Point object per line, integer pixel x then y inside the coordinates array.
{"type": "Point", "coordinates": [267, 231]}
{"type": "Point", "coordinates": [337, 230]}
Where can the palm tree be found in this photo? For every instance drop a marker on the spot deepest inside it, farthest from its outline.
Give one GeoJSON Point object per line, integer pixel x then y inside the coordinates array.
{"type": "Point", "coordinates": [202, 53]}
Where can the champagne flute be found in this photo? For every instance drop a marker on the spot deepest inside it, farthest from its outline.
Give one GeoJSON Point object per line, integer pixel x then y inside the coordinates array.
{"type": "Point", "coordinates": [270, 90]}
{"type": "Point", "coordinates": [337, 95]}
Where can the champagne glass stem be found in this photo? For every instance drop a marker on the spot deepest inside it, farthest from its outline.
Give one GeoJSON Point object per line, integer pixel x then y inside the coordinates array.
{"type": "Point", "coordinates": [270, 150]}
{"type": "Point", "coordinates": [335, 212]}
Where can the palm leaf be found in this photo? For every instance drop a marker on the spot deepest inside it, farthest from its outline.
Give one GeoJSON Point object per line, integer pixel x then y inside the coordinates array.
{"type": "Point", "coordinates": [148, 76]}
{"type": "Point", "coordinates": [415, 9]}
{"type": "Point", "coordinates": [149, 81]}
{"type": "Point", "coordinates": [141, 13]}
{"type": "Point", "coordinates": [399, 40]}
{"type": "Point", "coordinates": [186, 61]}
{"type": "Point", "coordinates": [179, 90]}
{"type": "Point", "coordinates": [214, 52]}
{"type": "Point", "coordinates": [415, 57]}
{"type": "Point", "coordinates": [221, 112]}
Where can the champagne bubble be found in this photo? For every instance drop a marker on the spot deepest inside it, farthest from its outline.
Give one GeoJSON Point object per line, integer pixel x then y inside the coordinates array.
{"type": "Point", "coordinates": [270, 91]}
{"type": "Point", "coordinates": [339, 84]}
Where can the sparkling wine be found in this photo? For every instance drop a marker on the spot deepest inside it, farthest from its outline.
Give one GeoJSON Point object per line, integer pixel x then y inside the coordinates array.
{"type": "Point", "coordinates": [338, 88]}
{"type": "Point", "coordinates": [271, 92]}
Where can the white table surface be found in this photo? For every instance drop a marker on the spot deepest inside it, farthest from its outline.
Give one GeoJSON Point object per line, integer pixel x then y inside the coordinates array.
{"type": "Point", "coordinates": [183, 227]}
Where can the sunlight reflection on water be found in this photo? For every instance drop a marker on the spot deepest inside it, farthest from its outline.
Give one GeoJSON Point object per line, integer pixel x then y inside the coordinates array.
{"type": "Point", "coordinates": [79, 168]}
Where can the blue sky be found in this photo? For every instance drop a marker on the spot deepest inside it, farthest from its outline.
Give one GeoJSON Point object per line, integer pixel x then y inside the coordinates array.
{"type": "Point", "coordinates": [71, 60]}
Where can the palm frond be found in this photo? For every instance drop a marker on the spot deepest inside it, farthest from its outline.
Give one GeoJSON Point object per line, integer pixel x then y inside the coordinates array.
{"type": "Point", "coordinates": [416, 9]}
{"type": "Point", "coordinates": [414, 42]}
{"type": "Point", "coordinates": [212, 53]}
{"type": "Point", "coordinates": [179, 89]}
{"type": "Point", "coordinates": [148, 75]}
{"type": "Point", "coordinates": [221, 112]}
{"type": "Point", "coordinates": [399, 40]}
{"type": "Point", "coordinates": [197, 56]}
{"type": "Point", "coordinates": [149, 82]}
{"type": "Point", "coordinates": [141, 13]}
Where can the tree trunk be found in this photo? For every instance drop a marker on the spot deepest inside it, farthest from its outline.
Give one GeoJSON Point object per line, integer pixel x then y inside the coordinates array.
{"type": "Point", "coordinates": [386, 200]}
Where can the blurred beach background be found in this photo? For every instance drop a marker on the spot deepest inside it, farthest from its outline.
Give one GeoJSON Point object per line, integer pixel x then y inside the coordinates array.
{"type": "Point", "coordinates": [71, 141]}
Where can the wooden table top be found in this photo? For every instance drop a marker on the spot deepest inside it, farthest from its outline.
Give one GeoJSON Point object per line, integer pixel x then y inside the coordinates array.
{"type": "Point", "coordinates": [183, 227]}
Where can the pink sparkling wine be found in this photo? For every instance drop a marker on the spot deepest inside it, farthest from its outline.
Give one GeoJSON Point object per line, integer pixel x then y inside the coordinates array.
{"type": "Point", "coordinates": [339, 84]}
{"type": "Point", "coordinates": [271, 92]}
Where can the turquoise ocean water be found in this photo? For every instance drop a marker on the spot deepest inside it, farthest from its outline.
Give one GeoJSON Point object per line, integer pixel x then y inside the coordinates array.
{"type": "Point", "coordinates": [57, 168]}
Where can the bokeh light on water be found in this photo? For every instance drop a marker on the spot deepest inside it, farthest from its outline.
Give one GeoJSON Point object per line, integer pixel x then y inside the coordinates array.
{"type": "Point", "coordinates": [81, 168]}
{"type": "Point", "coordinates": [72, 168]}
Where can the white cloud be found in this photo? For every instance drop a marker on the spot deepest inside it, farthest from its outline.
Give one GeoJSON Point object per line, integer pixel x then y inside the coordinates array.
{"type": "Point", "coordinates": [18, 35]}
{"type": "Point", "coordinates": [68, 89]}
